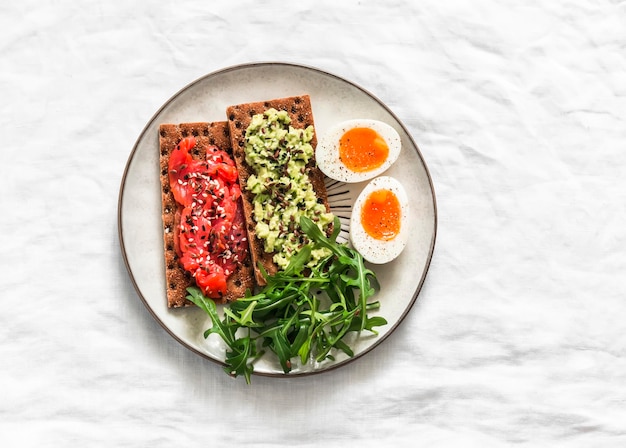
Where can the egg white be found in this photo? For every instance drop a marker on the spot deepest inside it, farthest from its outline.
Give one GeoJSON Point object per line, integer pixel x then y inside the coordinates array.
{"type": "Point", "coordinates": [327, 151]}
{"type": "Point", "coordinates": [373, 250]}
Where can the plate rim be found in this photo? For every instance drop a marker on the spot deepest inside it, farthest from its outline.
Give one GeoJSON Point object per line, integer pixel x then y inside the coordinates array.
{"type": "Point", "coordinates": [252, 65]}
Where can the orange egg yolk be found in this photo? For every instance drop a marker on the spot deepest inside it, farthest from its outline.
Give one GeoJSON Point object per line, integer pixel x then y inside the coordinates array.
{"type": "Point", "coordinates": [381, 214]}
{"type": "Point", "coordinates": [362, 149]}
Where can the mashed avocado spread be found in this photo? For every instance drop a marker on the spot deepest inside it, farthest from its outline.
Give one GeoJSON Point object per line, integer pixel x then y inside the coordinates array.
{"type": "Point", "coordinates": [282, 190]}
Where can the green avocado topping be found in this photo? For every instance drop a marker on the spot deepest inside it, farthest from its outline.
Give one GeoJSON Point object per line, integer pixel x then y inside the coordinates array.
{"type": "Point", "coordinates": [278, 155]}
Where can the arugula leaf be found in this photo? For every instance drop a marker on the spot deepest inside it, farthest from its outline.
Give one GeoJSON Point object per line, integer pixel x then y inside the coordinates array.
{"type": "Point", "coordinates": [208, 305]}
{"type": "Point", "coordinates": [302, 312]}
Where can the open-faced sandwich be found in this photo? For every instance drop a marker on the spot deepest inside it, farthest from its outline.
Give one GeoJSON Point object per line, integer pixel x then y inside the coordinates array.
{"type": "Point", "coordinates": [274, 149]}
{"type": "Point", "coordinates": [204, 229]}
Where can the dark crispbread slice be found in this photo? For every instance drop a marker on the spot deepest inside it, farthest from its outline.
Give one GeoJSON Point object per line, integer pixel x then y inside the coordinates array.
{"type": "Point", "coordinates": [177, 279]}
{"type": "Point", "coordinates": [239, 118]}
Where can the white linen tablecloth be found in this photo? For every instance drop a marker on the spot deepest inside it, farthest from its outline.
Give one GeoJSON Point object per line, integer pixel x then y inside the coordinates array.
{"type": "Point", "coordinates": [518, 336]}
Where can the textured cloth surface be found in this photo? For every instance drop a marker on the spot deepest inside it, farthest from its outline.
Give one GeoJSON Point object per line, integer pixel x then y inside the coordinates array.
{"type": "Point", "coordinates": [517, 338]}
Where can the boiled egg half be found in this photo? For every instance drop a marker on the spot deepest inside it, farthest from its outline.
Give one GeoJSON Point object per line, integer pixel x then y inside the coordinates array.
{"type": "Point", "coordinates": [379, 227]}
{"type": "Point", "coordinates": [357, 150]}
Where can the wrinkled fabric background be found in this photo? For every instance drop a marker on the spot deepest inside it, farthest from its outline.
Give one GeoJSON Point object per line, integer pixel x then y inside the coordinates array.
{"type": "Point", "coordinates": [517, 338]}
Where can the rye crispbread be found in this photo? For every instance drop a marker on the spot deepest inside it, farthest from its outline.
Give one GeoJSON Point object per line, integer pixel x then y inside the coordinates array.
{"type": "Point", "coordinates": [239, 118]}
{"type": "Point", "coordinates": [177, 279]}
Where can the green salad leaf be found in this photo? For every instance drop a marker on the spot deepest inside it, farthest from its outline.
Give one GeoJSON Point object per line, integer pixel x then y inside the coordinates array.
{"type": "Point", "coordinates": [301, 313]}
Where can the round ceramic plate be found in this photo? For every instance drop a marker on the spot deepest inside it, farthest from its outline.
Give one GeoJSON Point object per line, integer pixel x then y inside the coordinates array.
{"type": "Point", "coordinates": [333, 100]}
